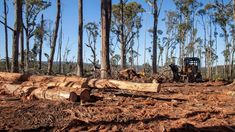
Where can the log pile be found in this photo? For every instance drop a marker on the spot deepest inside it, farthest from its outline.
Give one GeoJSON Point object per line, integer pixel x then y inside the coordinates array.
{"type": "Point", "coordinates": [55, 93]}
{"type": "Point", "coordinates": [65, 88]}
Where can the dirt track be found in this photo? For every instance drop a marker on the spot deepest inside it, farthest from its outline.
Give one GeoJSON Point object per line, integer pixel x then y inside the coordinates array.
{"type": "Point", "coordinates": [178, 107]}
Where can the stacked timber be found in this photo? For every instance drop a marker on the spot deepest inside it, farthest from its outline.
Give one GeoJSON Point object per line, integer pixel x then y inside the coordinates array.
{"type": "Point", "coordinates": [13, 77]}
{"type": "Point", "coordinates": [56, 93]}
{"type": "Point", "coordinates": [66, 88]}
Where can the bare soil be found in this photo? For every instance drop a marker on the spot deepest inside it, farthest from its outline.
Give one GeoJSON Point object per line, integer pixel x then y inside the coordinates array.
{"type": "Point", "coordinates": [178, 107]}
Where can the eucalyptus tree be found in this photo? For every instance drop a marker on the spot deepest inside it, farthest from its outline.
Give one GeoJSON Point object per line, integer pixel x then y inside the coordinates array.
{"type": "Point", "coordinates": [39, 35]}
{"type": "Point", "coordinates": [6, 35]}
{"type": "Point", "coordinates": [106, 10]}
{"type": "Point", "coordinates": [32, 10]}
{"type": "Point", "coordinates": [232, 32]}
{"type": "Point", "coordinates": [125, 24]}
{"type": "Point", "coordinates": [80, 39]}
{"type": "Point", "coordinates": [156, 13]}
{"type": "Point", "coordinates": [223, 14]}
{"type": "Point", "coordinates": [92, 31]}
{"type": "Point", "coordinates": [16, 33]}
{"type": "Point", "coordinates": [186, 10]}
{"type": "Point", "coordinates": [171, 22]}
{"type": "Point", "coordinates": [55, 34]}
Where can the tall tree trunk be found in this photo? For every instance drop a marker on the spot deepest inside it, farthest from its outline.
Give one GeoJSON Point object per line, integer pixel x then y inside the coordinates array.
{"type": "Point", "coordinates": [234, 9]}
{"type": "Point", "coordinates": [22, 46]}
{"type": "Point", "coordinates": [80, 39]}
{"type": "Point", "coordinates": [137, 57]}
{"type": "Point", "coordinates": [60, 46]}
{"type": "Point", "coordinates": [55, 34]}
{"type": "Point", "coordinates": [233, 52]}
{"type": "Point", "coordinates": [6, 37]}
{"type": "Point", "coordinates": [27, 39]}
{"type": "Point", "coordinates": [155, 15]}
{"type": "Point", "coordinates": [123, 46]}
{"type": "Point", "coordinates": [167, 50]}
{"type": "Point", "coordinates": [210, 49]}
{"type": "Point", "coordinates": [41, 43]}
{"type": "Point", "coordinates": [27, 51]}
{"type": "Point", "coordinates": [216, 50]}
{"type": "Point", "coordinates": [106, 8]}
{"type": "Point", "coordinates": [227, 56]}
{"type": "Point", "coordinates": [15, 45]}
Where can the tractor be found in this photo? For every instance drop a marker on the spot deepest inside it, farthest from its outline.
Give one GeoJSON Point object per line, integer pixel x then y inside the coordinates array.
{"type": "Point", "coordinates": [190, 71]}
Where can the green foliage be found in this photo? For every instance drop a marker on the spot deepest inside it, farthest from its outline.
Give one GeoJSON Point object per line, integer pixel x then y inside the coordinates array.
{"type": "Point", "coordinates": [92, 30]}
{"type": "Point", "coordinates": [222, 13]}
{"type": "Point", "coordinates": [92, 33]}
{"type": "Point", "coordinates": [33, 8]}
{"type": "Point", "coordinates": [131, 13]}
{"type": "Point", "coordinates": [132, 20]}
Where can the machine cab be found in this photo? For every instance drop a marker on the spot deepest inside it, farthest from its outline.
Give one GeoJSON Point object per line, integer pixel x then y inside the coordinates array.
{"type": "Point", "coordinates": [191, 65]}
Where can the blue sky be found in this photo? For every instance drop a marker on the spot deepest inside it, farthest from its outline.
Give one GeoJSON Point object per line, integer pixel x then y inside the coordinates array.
{"type": "Point", "coordinates": [91, 14]}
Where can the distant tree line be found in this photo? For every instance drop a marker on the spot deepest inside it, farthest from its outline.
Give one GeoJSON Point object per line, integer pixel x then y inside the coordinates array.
{"type": "Point", "coordinates": [122, 22]}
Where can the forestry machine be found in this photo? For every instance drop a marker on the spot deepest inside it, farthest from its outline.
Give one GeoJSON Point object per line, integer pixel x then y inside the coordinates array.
{"type": "Point", "coordinates": [190, 71]}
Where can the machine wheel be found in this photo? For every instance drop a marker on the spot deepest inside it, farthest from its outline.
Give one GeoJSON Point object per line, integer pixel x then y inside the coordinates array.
{"type": "Point", "coordinates": [199, 77]}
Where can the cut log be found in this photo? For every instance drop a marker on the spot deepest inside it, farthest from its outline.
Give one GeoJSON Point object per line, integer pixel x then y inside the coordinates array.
{"type": "Point", "coordinates": [18, 90]}
{"type": "Point", "coordinates": [104, 83]}
{"type": "Point", "coordinates": [13, 77]}
{"type": "Point", "coordinates": [60, 94]}
{"type": "Point", "coordinates": [56, 81]}
{"type": "Point", "coordinates": [232, 84]}
{"type": "Point", "coordinates": [69, 84]}
{"type": "Point", "coordinates": [10, 88]}
{"type": "Point", "coordinates": [56, 93]}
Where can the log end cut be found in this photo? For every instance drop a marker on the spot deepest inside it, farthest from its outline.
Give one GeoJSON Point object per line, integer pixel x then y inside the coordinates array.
{"type": "Point", "coordinates": [73, 97]}
{"type": "Point", "coordinates": [85, 95]}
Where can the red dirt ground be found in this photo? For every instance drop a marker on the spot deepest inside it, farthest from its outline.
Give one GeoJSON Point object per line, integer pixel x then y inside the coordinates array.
{"type": "Point", "coordinates": [178, 107]}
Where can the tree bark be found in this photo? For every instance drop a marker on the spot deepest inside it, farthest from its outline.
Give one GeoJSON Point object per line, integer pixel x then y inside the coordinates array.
{"type": "Point", "coordinates": [6, 37]}
{"type": "Point", "coordinates": [60, 47]}
{"type": "Point", "coordinates": [22, 49]}
{"type": "Point", "coordinates": [15, 45]}
{"type": "Point", "coordinates": [227, 57]}
{"type": "Point", "coordinates": [61, 94]}
{"type": "Point", "coordinates": [55, 94]}
{"type": "Point", "coordinates": [155, 15]}
{"type": "Point", "coordinates": [123, 47]}
{"type": "Point", "coordinates": [27, 51]}
{"type": "Point", "coordinates": [55, 34]}
{"type": "Point", "coordinates": [80, 39]}
{"type": "Point", "coordinates": [13, 77]}
{"type": "Point", "coordinates": [22, 46]}
{"type": "Point", "coordinates": [234, 9]}
{"type": "Point", "coordinates": [106, 21]}
{"type": "Point", "coordinates": [27, 39]}
{"type": "Point", "coordinates": [41, 43]}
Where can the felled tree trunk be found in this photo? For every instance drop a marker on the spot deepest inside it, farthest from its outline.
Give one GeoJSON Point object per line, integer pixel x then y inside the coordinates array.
{"type": "Point", "coordinates": [60, 94]}
{"type": "Point", "coordinates": [104, 83]}
{"type": "Point", "coordinates": [62, 81]}
{"type": "Point", "coordinates": [56, 93]}
{"type": "Point", "coordinates": [13, 77]}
